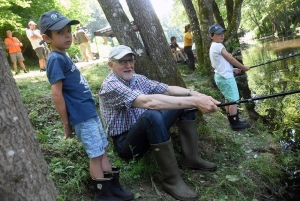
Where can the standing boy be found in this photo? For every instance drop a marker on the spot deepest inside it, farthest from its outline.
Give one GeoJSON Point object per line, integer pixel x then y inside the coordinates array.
{"type": "Point", "coordinates": [221, 61]}
{"type": "Point", "coordinates": [73, 100]}
{"type": "Point", "coordinates": [14, 48]}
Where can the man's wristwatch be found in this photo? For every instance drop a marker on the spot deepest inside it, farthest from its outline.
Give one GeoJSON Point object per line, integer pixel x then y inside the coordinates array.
{"type": "Point", "coordinates": [190, 91]}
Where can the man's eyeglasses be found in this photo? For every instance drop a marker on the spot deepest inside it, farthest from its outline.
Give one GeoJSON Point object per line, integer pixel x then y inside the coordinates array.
{"type": "Point", "coordinates": [123, 62]}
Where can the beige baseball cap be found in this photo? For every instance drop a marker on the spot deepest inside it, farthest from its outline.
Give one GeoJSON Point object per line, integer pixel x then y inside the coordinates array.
{"type": "Point", "coordinates": [120, 51]}
{"type": "Point", "coordinates": [31, 22]}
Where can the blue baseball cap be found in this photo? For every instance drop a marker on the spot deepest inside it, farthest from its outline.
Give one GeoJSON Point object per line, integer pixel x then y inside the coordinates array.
{"type": "Point", "coordinates": [53, 20]}
{"type": "Point", "coordinates": [216, 28]}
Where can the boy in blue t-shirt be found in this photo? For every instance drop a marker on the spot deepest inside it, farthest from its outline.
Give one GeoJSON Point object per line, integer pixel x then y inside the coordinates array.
{"type": "Point", "coordinates": [222, 62]}
{"type": "Point", "coordinates": [73, 101]}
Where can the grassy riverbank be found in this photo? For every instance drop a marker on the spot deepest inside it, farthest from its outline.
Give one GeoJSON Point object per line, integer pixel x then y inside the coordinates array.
{"type": "Point", "coordinates": [250, 162]}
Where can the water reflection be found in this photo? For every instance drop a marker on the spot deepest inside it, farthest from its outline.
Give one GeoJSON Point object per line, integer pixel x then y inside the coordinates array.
{"type": "Point", "coordinates": [281, 114]}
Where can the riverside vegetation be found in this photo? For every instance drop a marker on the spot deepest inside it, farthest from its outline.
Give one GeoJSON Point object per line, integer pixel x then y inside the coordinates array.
{"type": "Point", "coordinates": [251, 162]}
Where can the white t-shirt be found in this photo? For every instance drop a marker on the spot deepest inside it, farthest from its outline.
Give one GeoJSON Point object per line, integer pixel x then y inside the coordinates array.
{"type": "Point", "coordinates": [218, 62]}
{"type": "Point", "coordinates": [34, 42]}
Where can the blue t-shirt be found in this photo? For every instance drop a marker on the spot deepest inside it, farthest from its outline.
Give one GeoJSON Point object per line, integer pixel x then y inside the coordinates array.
{"type": "Point", "coordinates": [76, 91]}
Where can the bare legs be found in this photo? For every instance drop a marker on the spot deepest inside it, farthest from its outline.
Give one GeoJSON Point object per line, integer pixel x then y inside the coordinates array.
{"type": "Point", "coordinates": [42, 63]}
{"type": "Point", "coordinates": [181, 55]}
{"type": "Point", "coordinates": [98, 165]}
{"type": "Point", "coordinates": [231, 109]}
{"type": "Point", "coordinates": [16, 68]}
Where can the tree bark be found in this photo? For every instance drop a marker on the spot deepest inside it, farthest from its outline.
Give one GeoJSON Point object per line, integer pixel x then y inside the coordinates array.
{"type": "Point", "coordinates": [155, 40]}
{"type": "Point", "coordinates": [217, 14]}
{"type": "Point", "coordinates": [235, 20]}
{"type": "Point", "coordinates": [125, 35]}
{"type": "Point", "coordinates": [24, 172]}
{"type": "Point", "coordinates": [153, 60]}
{"type": "Point", "coordinates": [206, 19]}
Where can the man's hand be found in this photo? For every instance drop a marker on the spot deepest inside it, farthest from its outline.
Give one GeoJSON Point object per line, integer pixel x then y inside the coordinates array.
{"type": "Point", "coordinates": [206, 104]}
{"type": "Point", "coordinates": [68, 130]}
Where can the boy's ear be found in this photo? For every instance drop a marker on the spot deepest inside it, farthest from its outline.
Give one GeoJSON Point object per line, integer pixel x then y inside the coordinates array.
{"type": "Point", "coordinates": [46, 38]}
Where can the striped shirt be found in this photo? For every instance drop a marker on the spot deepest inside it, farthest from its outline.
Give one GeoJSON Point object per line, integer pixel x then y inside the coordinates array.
{"type": "Point", "coordinates": [116, 97]}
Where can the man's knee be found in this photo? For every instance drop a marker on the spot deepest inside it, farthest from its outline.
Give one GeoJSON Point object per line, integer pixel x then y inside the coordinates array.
{"type": "Point", "coordinates": [153, 116]}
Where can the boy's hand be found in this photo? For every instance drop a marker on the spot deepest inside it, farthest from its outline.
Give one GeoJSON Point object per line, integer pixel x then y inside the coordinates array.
{"type": "Point", "coordinates": [237, 70]}
{"type": "Point", "coordinates": [246, 68]}
{"type": "Point", "coordinates": [68, 130]}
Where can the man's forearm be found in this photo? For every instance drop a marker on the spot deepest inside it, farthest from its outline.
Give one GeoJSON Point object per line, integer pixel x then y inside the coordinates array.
{"type": "Point", "coordinates": [163, 102]}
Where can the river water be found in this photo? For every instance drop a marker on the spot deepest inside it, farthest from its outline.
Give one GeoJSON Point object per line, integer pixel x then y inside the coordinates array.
{"type": "Point", "coordinates": [281, 114]}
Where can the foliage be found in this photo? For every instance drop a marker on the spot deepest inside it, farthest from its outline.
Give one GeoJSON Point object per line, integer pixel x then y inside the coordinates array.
{"type": "Point", "coordinates": [97, 18]}
{"type": "Point", "coordinates": [15, 15]}
{"type": "Point", "coordinates": [269, 17]}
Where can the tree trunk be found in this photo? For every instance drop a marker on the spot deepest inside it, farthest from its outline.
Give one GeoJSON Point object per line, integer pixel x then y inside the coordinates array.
{"type": "Point", "coordinates": [147, 65]}
{"type": "Point", "coordinates": [235, 20]}
{"type": "Point", "coordinates": [206, 19]}
{"type": "Point", "coordinates": [24, 173]}
{"type": "Point", "coordinates": [155, 40]}
{"type": "Point", "coordinates": [193, 19]}
{"type": "Point", "coordinates": [125, 35]}
{"type": "Point", "coordinates": [217, 14]}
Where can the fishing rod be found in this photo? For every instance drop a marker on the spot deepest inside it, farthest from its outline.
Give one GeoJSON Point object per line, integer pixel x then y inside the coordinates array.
{"type": "Point", "coordinates": [289, 56]}
{"type": "Point", "coordinates": [252, 99]}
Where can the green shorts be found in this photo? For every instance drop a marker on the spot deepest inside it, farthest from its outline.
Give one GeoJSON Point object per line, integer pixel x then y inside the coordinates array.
{"type": "Point", "coordinates": [228, 87]}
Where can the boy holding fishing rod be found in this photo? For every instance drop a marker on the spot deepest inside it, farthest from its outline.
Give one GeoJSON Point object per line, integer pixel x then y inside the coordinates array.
{"type": "Point", "coordinates": [222, 62]}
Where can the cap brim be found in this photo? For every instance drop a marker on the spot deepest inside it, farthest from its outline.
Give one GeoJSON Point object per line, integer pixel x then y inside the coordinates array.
{"type": "Point", "coordinates": [62, 23]}
{"type": "Point", "coordinates": [220, 31]}
{"type": "Point", "coordinates": [119, 56]}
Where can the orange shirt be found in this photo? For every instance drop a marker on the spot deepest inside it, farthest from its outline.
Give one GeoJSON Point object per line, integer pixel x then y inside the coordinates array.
{"type": "Point", "coordinates": [188, 39]}
{"type": "Point", "coordinates": [11, 41]}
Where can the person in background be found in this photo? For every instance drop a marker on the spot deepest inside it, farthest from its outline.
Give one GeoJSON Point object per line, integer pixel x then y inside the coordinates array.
{"type": "Point", "coordinates": [73, 101]}
{"type": "Point", "coordinates": [222, 62]}
{"type": "Point", "coordinates": [137, 113]}
{"type": "Point", "coordinates": [84, 43]}
{"type": "Point", "coordinates": [188, 43]}
{"type": "Point", "coordinates": [177, 53]}
{"type": "Point", "coordinates": [14, 49]}
{"type": "Point", "coordinates": [35, 38]}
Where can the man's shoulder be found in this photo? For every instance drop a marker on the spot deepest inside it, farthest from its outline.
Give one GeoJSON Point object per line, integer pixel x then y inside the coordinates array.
{"type": "Point", "coordinates": [29, 32]}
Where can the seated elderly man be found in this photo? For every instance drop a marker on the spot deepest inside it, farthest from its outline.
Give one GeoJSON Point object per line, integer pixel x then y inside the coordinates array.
{"type": "Point", "coordinates": [137, 113]}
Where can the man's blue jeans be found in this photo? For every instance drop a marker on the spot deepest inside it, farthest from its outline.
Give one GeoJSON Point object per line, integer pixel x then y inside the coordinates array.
{"type": "Point", "coordinates": [151, 128]}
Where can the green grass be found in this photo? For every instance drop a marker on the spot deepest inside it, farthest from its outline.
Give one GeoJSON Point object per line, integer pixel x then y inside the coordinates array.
{"type": "Point", "coordinates": [250, 162]}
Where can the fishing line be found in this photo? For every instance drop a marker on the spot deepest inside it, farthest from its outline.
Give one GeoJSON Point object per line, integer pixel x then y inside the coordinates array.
{"type": "Point", "coordinates": [252, 99]}
{"type": "Point", "coordinates": [289, 56]}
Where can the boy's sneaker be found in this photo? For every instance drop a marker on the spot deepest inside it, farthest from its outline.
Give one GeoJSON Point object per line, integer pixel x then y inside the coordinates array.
{"type": "Point", "coordinates": [25, 71]}
{"type": "Point", "coordinates": [16, 73]}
